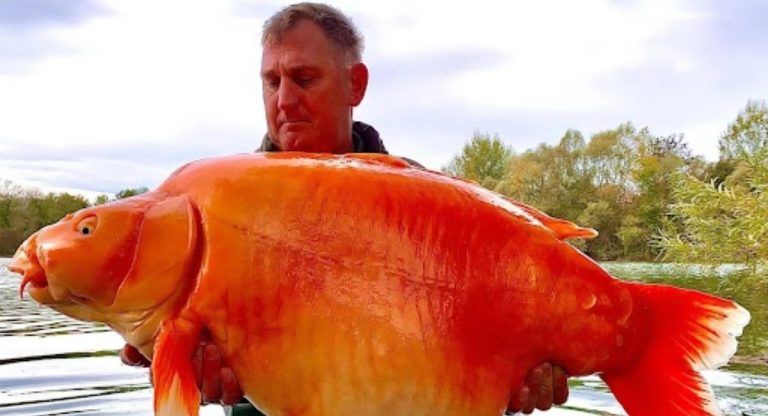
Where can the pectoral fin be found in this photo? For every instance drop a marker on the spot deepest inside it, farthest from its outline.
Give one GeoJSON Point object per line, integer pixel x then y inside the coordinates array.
{"type": "Point", "coordinates": [176, 392]}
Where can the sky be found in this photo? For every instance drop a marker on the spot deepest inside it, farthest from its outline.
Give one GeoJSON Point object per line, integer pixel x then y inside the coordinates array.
{"type": "Point", "coordinates": [102, 95]}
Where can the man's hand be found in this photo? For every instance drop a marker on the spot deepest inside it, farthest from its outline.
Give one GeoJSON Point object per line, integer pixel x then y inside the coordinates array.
{"type": "Point", "coordinates": [131, 356]}
{"type": "Point", "coordinates": [217, 384]}
{"type": "Point", "coordinates": [545, 385]}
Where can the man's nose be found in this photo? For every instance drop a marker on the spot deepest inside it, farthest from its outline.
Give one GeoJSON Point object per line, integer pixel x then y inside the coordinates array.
{"type": "Point", "coordinates": [287, 95]}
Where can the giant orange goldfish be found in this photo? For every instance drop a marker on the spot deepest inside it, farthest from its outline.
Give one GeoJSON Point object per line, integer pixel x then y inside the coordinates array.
{"type": "Point", "coordinates": [357, 285]}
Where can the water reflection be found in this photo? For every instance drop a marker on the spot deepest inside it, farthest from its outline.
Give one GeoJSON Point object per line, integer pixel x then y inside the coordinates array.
{"type": "Point", "coordinates": [53, 365]}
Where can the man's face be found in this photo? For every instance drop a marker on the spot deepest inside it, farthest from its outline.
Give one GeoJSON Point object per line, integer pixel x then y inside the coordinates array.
{"type": "Point", "coordinates": [307, 91]}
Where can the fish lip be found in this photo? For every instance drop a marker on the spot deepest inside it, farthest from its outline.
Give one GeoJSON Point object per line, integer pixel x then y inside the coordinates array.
{"type": "Point", "coordinates": [33, 282]}
{"type": "Point", "coordinates": [31, 270]}
{"type": "Point", "coordinates": [14, 268]}
{"type": "Point", "coordinates": [19, 261]}
{"type": "Point", "coordinates": [42, 295]}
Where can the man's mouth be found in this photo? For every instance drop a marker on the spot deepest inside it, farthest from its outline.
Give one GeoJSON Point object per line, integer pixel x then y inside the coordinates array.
{"type": "Point", "coordinates": [293, 124]}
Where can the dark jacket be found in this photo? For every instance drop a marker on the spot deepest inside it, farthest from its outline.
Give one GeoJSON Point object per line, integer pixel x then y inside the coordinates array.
{"type": "Point", "coordinates": [365, 139]}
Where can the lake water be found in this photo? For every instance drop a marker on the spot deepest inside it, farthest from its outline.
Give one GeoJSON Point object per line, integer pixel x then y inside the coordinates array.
{"type": "Point", "coordinates": [53, 365]}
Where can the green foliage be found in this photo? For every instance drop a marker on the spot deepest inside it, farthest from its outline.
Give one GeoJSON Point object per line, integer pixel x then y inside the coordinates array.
{"type": "Point", "coordinates": [725, 219]}
{"type": "Point", "coordinates": [657, 162]}
{"type": "Point", "coordinates": [609, 155]}
{"type": "Point", "coordinates": [101, 199]}
{"type": "Point", "coordinates": [746, 136]}
{"type": "Point", "coordinates": [719, 171]}
{"type": "Point", "coordinates": [618, 183]}
{"type": "Point", "coordinates": [552, 178]}
{"type": "Point", "coordinates": [482, 160]}
{"type": "Point", "coordinates": [721, 223]}
{"type": "Point", "coordinates": [24, 211]}
{"type": "Point", "coordinates": [129, 192]}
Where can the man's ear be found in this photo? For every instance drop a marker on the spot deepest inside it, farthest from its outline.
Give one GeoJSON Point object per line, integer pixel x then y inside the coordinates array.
{"type": "Point", "coordinates": [358, 75]}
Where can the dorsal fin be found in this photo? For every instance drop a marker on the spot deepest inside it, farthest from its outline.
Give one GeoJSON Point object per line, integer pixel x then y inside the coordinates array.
{"type": "Point", "coordinates": [380, 158]}
{"type": "Point", "coordinates": [563, 229]}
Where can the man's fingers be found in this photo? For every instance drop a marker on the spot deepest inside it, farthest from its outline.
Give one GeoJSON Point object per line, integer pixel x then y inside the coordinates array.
{"type": "Point", "coordinates": [518, 401]}
{"type": "Point", "coordinates": [197, 365]}
{"type": "Point", "coordinates": [530, 405]}
{"type": "Point", "coordinates": [544, 401]}
{"type": "Point", "coordinates": [131, 356]}
{"type": "Point", "coordinates": [230, 389]}
{"type": "Point", "coordinates": [559, 386]}
{"type": "Point", "coordinates": [533, 383]}
{"type": "Point", "coordinates": [211, 389]}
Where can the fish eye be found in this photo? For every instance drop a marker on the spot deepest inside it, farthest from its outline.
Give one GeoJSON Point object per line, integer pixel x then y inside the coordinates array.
{"type": "Point", "coordinates": [87, 225]}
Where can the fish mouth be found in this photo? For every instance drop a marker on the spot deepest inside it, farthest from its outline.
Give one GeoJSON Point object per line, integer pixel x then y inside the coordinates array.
{"type": "Point", "coordinates": [26, 264]}
{"type": "Point", "coordinates": [33, 273]}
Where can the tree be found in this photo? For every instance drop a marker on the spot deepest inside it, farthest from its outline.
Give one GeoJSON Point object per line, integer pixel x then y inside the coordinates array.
{"type": "Point", "coordinates": [483, 160]}
{"type": "Point", "coordinates": [43, 210]}
{"type": "Point", "coordinates": [721, 223]}
{"type": "Point", "coordinates": [620, 182]}
{"type": "Point", "coordinates": [552, 178]}
{"type": "Point", "coordinates": [129, 192]}
{"type": "Point", "coordinates": [24, 211]}
{"type": "Point", "coordinates": [101, 199]}
{"type": "Point", "coordinates": [726, 220]}
{"type": "Point", "coordinates": [9, 195]}
{"type": "Point", "coordinates": [658, 159]}
{"type": "Point", "coordinates": [610, 154]}
{"type": "Point", "coordinates": [747, 135]}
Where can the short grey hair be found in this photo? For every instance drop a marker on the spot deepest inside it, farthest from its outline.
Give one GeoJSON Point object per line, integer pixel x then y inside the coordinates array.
{"type": "Point", "coordinates": [337, 27]}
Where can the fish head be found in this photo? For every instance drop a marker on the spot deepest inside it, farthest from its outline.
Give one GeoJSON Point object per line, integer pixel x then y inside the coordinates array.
{"type": "Point", "coordinates": [127, 255]}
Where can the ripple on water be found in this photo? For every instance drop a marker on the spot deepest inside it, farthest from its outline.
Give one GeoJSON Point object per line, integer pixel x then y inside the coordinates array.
{"type": "Point", "coordinates": [24, 317]}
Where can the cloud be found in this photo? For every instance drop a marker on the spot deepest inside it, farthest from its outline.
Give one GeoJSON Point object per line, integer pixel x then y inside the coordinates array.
{"type": "Point", "coordinates": [258, 10]}
{"type": "Point", "coordinates": [137, 81]}
{"type": "Point", "coordinates": [36, 13]}
{"type": "Point", "coordinates": [107, 169]}
{"type": "Point", "coordinates": [27, 29]}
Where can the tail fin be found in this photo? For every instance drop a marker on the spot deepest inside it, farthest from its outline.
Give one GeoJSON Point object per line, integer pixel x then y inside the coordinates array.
{"type": "Point", "coordinates": [688, 331]}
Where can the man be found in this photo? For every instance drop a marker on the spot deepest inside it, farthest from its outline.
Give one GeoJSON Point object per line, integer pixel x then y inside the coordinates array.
{"type": "Point", "coordinates": [312, 77]}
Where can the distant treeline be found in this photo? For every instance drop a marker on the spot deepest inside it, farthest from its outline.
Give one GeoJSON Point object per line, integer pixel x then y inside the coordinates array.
{"type": "Point", "coordinates": [647, 195]}
{"type": "Point", "coordinates": [24, 211]}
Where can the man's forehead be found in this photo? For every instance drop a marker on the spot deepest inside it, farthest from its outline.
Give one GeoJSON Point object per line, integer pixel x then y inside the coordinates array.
{"type": "Point", "coordinates": [293, 60]}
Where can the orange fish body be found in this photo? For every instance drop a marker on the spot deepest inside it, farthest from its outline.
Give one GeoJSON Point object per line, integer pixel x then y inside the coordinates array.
{"type": "Point", "coordinates": [357, 285]}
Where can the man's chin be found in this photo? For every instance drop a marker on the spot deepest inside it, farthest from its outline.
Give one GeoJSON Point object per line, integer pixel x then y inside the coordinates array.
{"type": "Point", "coordinates": [297, 142]}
